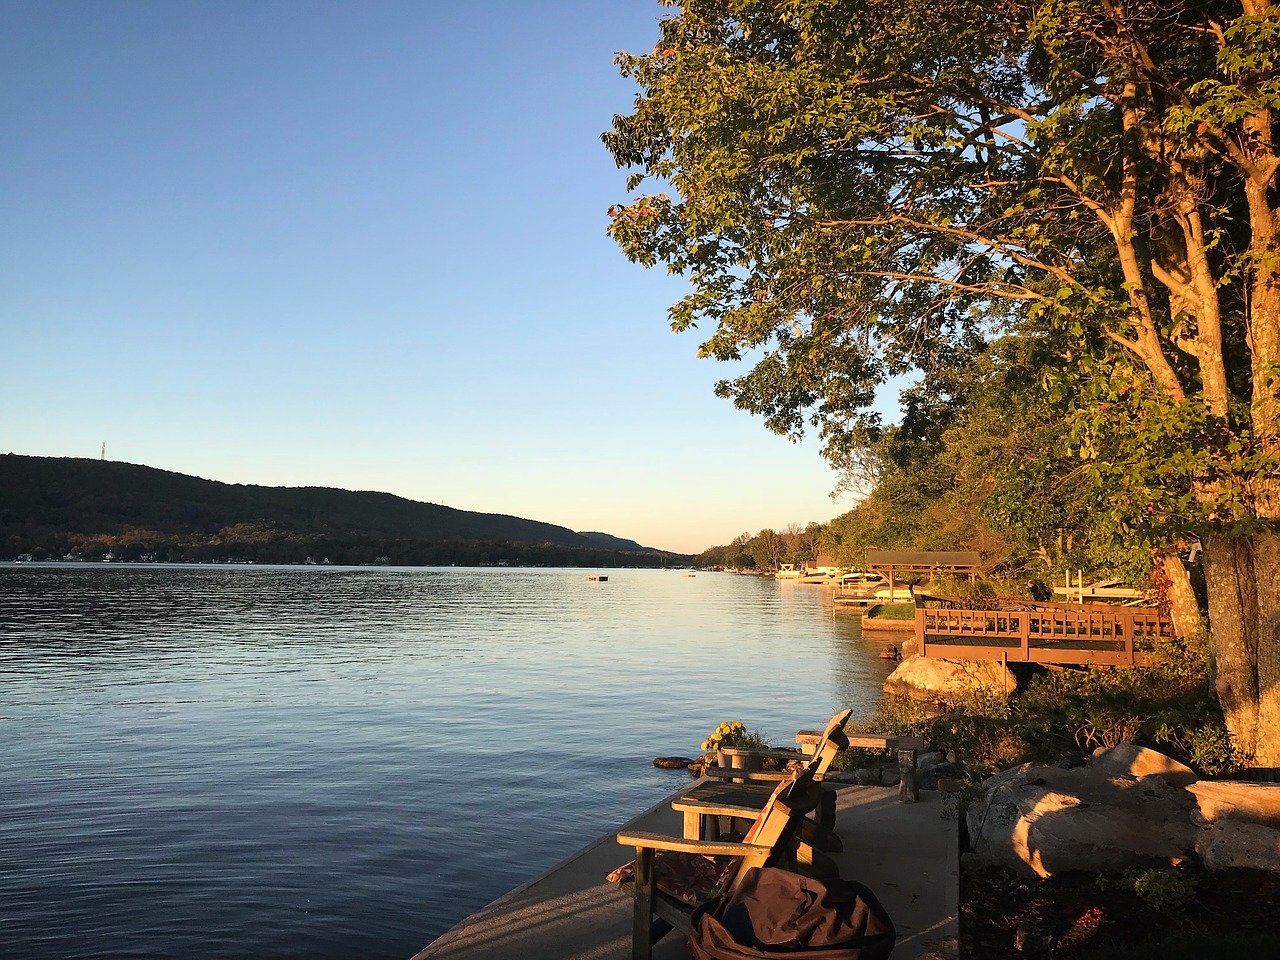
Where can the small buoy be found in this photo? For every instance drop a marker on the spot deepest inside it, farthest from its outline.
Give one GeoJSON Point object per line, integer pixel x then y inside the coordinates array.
{"type": "Point", "coordinates": [672, 763]}
{"type": "Point", "coordinates": [888, 652]}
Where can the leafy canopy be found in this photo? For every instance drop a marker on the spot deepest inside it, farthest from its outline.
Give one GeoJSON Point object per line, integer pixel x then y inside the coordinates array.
{"type": "Point", "coordinates": [859, 188]}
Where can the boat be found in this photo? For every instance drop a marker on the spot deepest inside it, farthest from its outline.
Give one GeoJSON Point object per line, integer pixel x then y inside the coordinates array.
{"type": "Point", "coordinates": [858, 588]}
{"type": "Point", "coordinates": [861, 579]}
{"type": "Point", "coordinates": [595, 578]}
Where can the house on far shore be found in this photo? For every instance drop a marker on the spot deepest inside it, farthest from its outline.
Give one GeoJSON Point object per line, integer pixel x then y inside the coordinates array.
{"type": "Point", "coordinates": [789, 571]}
{"type": "Point", "coordinates": [822, 566]}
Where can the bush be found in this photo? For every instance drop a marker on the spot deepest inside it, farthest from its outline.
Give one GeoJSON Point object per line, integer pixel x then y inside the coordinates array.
{"type": "Point", "coordinates": [976, 726]}
{"type": "Point", "coordinates": [1071, 712]}
{"type": "Point", "coordinates": [1171, 706]}
{"type": "Point", "coordinates": [1170, 890]}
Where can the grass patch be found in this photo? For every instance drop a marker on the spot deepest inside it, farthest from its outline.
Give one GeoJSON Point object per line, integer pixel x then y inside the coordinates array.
{"type": "Point", "coordinates": [892, 611]}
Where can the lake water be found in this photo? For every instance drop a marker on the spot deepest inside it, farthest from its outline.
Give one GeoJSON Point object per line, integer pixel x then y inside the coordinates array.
{"type": "Point", "coordinates": [230, 762]}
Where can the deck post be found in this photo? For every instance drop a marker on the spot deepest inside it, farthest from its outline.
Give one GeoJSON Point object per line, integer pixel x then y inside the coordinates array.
{"type": "Point", "coordinates": [908, 784]}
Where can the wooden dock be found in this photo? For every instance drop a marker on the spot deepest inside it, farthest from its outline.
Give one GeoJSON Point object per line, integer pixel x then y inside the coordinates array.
{"type": "Point", "coordinates": [1056, 633]}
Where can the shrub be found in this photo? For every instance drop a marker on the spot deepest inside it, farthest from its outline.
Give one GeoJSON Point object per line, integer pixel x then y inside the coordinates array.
{"type": "Point", "coordinates": [975, 725]}
{"type": "Point", "coordinates": [1171, 705]}
{"type": "Point", "coordinates": [1169, 891]}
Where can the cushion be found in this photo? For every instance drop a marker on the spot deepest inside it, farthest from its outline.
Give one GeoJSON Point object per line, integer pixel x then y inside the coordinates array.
{"type": "Point", "coordinates": [686, 876]}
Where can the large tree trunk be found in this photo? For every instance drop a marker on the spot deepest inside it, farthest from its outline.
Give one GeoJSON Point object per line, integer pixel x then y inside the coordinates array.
{"type": "Point", "coordinates": [1184, 609]}
{"type": "Point", "coordinates": [1242, 575]}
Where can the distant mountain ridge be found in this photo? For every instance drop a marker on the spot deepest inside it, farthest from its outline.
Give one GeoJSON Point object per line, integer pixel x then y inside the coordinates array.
{"type": "Point", "coordinates": [49, 502]}
{"type": "Point", "coordinates": [612, 542]}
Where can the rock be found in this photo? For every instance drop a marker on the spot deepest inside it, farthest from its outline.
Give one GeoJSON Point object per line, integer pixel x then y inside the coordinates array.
{"type": "Point", "coordinates": [889, 652]}
{"type": "Point", "coordinates": [940, 771]}
{"type": "Point", "coordinates": [1045, 820]}
{"type": "Point", "coordinates": [1237, 800]}
{"type": "Point", "coordinates": [867, 776]}
{"type": "Point", "coordinates": [1235, 843]}
{"type": "Point", "coordinates": [672, 763]}
{"type": "Point", "coordinates": [909, 647]}
{"type": "Point", "coordinates": [889, 776]}
{"type": "Point", "coordinates": [841, 776]}
{"type": "Point", "coordinates": [928, 678]}
{"type": "Point", "coordinates": [929, 758]}
{"type": "Point", "coordinates": [1022, 770]}
{"type": "Point", "coordinates": [1130, 760]}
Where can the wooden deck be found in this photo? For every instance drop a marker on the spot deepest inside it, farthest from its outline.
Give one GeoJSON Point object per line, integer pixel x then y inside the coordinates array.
{"type": "Point", "coordinates": [1058, 633]}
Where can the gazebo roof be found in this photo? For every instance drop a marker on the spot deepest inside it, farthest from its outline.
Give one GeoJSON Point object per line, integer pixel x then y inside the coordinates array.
{"type": "Point", "coordinates": [923, 560]}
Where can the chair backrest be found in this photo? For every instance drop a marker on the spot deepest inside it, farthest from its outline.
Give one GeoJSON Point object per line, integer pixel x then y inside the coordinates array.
{"type": "Point", "coordinates": [778, 821]}
{"type": "Point", "coordinates": [833, 740]}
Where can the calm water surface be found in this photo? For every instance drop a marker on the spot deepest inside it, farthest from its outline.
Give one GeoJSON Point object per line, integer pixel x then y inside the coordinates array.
{"type": "Point", "coordinates": [230, 762]}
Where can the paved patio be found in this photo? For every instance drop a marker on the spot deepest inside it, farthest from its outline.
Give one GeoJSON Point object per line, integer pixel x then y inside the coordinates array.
{"type": "Point", "coordinates": [906, 853]}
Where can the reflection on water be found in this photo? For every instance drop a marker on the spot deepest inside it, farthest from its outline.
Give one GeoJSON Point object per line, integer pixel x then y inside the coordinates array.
{"type": "Point", "coordinates": [224, 762]}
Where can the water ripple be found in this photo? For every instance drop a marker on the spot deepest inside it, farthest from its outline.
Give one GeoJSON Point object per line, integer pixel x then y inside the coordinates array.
{"type": "Point", "coordinates": [224, 762]}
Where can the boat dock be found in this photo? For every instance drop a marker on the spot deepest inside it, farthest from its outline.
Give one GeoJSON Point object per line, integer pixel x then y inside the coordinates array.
{"type": "Point", "coordinates": [905, 852]}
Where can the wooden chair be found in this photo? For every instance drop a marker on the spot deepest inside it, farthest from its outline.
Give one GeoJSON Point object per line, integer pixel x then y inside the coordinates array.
{"type": "Point", "coordinates": [745, 762]}
{"type": "Point", "coordinates": [672, 876]}
{"type": "Point", "coordinates": [740, 791]}
{"type": "Point", "coordinates": [906, 750]}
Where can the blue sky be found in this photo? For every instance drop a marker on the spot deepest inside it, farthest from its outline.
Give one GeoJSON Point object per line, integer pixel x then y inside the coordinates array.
{"type": "Point", "coordinates": [363, 246]}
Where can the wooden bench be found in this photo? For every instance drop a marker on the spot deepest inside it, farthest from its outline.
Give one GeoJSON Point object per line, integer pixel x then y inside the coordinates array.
{"type": "Point", "coordinates": [906, 749]}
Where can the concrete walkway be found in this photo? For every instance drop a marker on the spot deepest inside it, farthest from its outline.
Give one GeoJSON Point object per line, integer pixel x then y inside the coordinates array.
{"type": "Point", "coordinates": [906, 853]}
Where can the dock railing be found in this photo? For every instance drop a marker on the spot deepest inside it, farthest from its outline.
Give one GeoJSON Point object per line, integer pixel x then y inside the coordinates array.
{"type": "Point", "coordinates": [1064, 633]}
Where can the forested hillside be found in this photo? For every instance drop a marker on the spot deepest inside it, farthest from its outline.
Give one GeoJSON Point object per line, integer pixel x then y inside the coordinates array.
{"type": "Point", "coordinates": [53, 507]}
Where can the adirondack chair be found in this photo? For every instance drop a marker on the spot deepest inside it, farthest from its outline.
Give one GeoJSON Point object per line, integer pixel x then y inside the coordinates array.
{"type": "Point", "coordinates": [672, 876]}
{"type": "Point", "coordinates": [744, 762]}
{"type": "Point", "coordinates": [743, 798]}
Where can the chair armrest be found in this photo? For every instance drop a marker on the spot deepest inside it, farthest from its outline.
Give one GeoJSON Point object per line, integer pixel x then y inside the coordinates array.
{"type": "Point", "coordinates": [712, 809]}
{"type": "Point", "coordinates": [729, 773]}
{"type": "Point", "coordinates": [706, 848]}
{"type": "Point", "coordinates": [777, 752]}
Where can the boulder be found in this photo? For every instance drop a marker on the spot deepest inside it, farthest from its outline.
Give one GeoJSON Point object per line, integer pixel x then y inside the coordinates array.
{"type": "Point", "coordinates": [1013, 772]}
{"type": "Point", "coordinates": [930, 778]}
{"type": "Point", "coordinates": [929, 678]}
{"type": "Point", "coordinates": [867, 776]}
{"type": "Point", "coordinates": [929, 758]}
{"type": "Point", "coordinates": [1235, 843]}
{"type": "Point", "coordinates": [1045, 820]}
{"type": "Point", "coordinates": [1130, 760]}
{"type": "Point", "coordinates": [1237, 800]}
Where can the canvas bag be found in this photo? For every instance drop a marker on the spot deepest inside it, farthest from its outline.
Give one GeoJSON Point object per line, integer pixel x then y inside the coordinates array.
{"type": "Point", "coordinates": [776, 913]}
